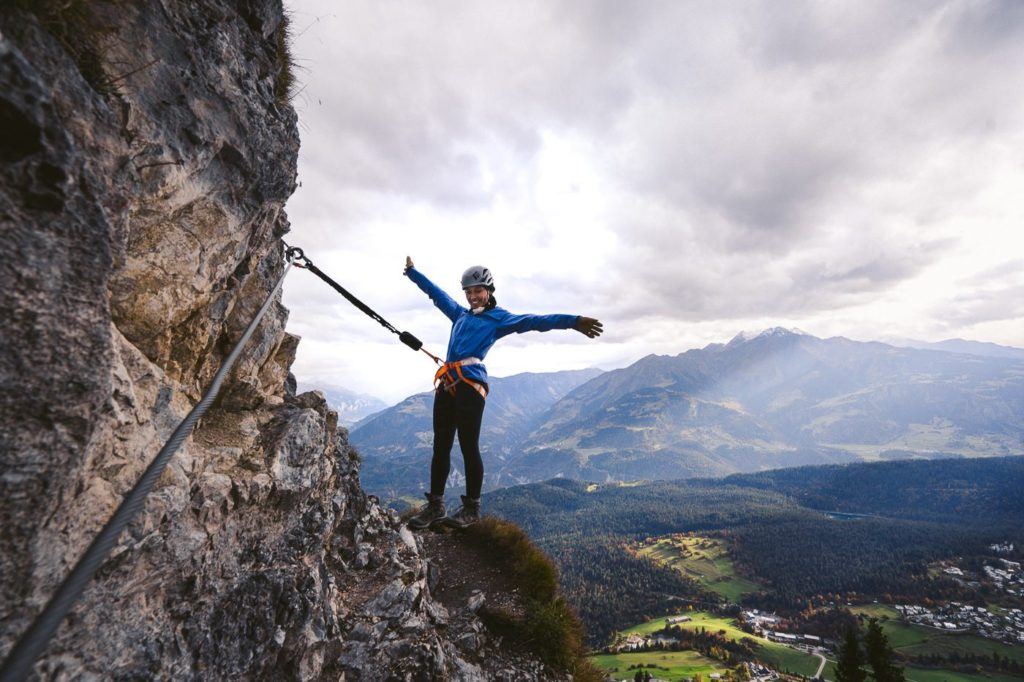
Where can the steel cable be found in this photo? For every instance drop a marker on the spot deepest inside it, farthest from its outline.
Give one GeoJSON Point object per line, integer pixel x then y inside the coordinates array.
{"type": "Point", "coordinates": [22, 656]}
{"type": "Point", "coordinates": [405, 337]}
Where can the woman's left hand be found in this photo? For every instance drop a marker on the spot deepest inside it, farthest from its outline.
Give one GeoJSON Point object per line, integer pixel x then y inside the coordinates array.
{"type": "Point", "coordinates": [589, 326]}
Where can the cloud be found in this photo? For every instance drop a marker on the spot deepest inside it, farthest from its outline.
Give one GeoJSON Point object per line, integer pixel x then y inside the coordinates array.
{"type": "Point", "coordinates": [1006, 303]}
{"type": "Point", "coordinates": [1011, 269]}
{"type": "Point", "coordinates": [662, 164]}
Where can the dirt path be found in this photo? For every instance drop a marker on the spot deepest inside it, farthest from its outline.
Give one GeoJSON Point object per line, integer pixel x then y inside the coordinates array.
{"type": "Point", "coordinates": [465, 568]}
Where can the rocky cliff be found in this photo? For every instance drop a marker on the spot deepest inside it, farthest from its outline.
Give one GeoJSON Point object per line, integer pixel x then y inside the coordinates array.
{"type": "Point", "coordinates": [147, 151]}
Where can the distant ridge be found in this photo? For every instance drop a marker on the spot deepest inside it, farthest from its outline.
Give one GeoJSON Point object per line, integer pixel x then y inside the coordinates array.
{"type": "Point", "coordinates": [773, 399]}
{"type": "Point", "coordinates": [981, 348]}
{"type": "Point", "coordinates": [974, 490]}
{"type": "Point", "coordinates": [776, 398]}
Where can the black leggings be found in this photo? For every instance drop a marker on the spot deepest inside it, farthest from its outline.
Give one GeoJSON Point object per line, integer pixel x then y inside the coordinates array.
{"type": "Point", "coordinates": [462, 412]}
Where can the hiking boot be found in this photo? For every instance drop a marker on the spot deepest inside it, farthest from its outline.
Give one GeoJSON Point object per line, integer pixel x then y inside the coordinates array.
{"type": "Point", "coordinates": [464, 516]}
{"type": "Point", "coordinates": [433, 511]}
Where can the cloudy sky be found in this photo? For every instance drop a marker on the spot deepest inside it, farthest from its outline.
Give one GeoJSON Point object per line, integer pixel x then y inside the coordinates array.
{"type": "Point", "coordinates": [681, 170]}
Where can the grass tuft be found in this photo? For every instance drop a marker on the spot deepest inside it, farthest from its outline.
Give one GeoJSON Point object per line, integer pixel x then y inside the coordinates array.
{"type": "Point", "coordinates": [549, 626]}
{"type": "Point", "coordinates": [284, 84]}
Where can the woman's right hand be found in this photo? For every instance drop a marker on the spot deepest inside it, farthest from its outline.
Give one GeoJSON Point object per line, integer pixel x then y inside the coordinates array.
{"type": "Point", "coordinates": [408, 263]}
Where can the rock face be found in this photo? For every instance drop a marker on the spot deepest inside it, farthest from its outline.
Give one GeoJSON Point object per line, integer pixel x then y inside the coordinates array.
{"type": "Point", "coordinates": [146, 156]}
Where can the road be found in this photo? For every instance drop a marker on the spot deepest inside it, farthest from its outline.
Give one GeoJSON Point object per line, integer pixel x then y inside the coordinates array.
{"type": "Point", "coordinates": [821, 668]}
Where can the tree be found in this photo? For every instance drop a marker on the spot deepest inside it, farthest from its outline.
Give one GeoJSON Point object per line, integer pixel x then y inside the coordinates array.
{"type": "Point", "coordinates": [850, 659]}
{"type": "Point", "coordinates": [880, 654]}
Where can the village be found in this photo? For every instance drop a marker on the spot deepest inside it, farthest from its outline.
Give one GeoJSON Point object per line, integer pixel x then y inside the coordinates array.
{"type": "Point", "coordinates": [1005, 575]}
{"type": "Point", "coordinates": [956, 617]}
{"type": "Point", "coordinates": [763, 624]}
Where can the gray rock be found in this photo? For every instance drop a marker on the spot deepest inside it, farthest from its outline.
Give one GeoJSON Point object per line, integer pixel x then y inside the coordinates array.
{"type": "Point", "coordinates": [475, 601]}
{"type": "Point", "coordinates": [437, 613]}
{"type": "Point", "coordinates": [413, 625]}
{"type": "Point", "coordinates": [470, 642]}
{"type": "Point", "coordinates": [407, 537]}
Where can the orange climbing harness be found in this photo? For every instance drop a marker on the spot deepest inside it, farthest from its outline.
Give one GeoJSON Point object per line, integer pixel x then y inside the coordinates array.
{"type": "Point", "coordinates": [444, 379]}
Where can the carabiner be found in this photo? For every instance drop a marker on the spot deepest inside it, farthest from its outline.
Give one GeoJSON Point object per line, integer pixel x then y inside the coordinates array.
{"type": "Point", "coordinates": [296, 257]}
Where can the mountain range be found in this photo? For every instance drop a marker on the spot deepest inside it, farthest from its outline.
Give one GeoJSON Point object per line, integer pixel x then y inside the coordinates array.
{"type": "Point", "coordinates": [396, 444]}
{"type": "Point", "coordinates": [775, 399]}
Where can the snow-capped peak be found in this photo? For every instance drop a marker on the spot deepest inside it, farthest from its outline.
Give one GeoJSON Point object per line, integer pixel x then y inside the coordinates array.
{"type": "Point", "coordinates": [771, 331]}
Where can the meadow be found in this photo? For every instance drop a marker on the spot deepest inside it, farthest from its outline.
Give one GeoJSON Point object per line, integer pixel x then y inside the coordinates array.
{"type": "Point", "coordinates": [705, 560]}
{"type": "Point", "coordinates": [778, 656]}
{"type": "Point", "coordinates": [666, 665]}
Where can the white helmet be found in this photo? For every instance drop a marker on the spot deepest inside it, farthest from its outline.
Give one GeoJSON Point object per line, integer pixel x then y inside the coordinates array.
{"type": "Point", "coordinates": [478, 276]}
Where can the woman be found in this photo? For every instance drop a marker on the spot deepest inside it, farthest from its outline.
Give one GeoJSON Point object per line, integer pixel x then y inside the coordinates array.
{"type": "Point", "coordinates": [462, 383]}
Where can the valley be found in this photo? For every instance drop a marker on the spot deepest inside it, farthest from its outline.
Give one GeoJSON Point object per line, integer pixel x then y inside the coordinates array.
{"type": "Point", "coordinates": [716, 554]}
{"type": "Point", "coordinates": [767, 494]}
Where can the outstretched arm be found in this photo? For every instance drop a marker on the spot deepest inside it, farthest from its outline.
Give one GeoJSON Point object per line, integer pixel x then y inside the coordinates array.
{"type": "Point", "coordinates": [445, 303]}
{"type": "Point", "coordinates": [517, 324]}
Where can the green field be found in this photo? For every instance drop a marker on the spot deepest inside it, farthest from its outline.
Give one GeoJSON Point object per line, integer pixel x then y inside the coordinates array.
{"type": "Point", "coordinates": [671, 665]}
{"type": "Point", "coordinates": [919, 640]}
{"type": "Point", "coordinates": [922, 675]}
{"type": "Point", "coordinates": [776, 655]}
{"type": "Point", "coordinates": [705, 560]}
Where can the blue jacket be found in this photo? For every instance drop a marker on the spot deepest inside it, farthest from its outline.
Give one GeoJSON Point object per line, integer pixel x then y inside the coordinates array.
{"type": "Point", "coordinates": [474, 334]}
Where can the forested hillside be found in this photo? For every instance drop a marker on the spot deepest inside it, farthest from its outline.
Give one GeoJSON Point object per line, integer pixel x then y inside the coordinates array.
{"type": "Point", "coordinates": [799, 554]}
{"type": "Point", "coordinates": [968, 489]}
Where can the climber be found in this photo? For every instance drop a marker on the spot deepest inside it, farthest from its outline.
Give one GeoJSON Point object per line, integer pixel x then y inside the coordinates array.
{"type": "Point", "coordinates": [461, 383]}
